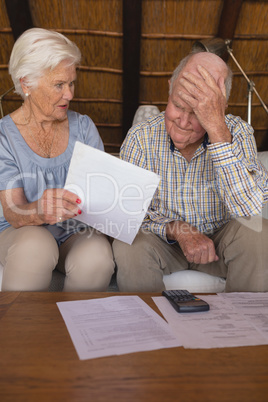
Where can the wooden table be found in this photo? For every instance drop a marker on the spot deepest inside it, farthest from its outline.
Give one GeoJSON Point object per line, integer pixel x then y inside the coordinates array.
{"type": "Point", "coordinates": [38, 362]}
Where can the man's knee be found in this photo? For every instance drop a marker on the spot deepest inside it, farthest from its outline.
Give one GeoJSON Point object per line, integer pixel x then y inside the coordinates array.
{"type": "Point", "coordinates": [252, 234]}
{"type": "Point", "coordinates": [246, 256]}
{"type": "Point", "coordinates": [138, 264]}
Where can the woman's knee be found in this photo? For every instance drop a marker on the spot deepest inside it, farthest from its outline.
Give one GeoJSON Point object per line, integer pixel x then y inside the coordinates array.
{"type": "Point", "coordinates": [93, 249]}
{"type": "Point", "coordinates": [30, 259]}
{"type": "Point", "coordinates": [35, 243]}
{"type": "Point", "coordinates": [89, 264]}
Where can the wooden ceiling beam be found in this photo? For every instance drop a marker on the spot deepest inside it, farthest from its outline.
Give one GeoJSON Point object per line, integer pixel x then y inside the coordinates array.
{"type": "Point", "coordinates": [131, 60]}
{"type": "Point", "coordinates": [19, 16]}
{"type": "Point", "coordinates": [229, 17]}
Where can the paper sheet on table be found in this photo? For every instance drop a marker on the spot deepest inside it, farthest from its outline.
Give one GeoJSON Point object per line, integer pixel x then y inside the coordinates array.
{"type": "Point", "coordinates": [222, 326]}
{"type": "Point", "coordinates": [115, 194]}
{"type": "Point", "coordinates": [115, 325]}
{"type": "Point", "coordinates": [253, 306]}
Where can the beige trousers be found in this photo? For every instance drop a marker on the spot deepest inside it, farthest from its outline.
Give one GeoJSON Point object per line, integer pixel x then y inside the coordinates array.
{"type": "Point", "coordinates": [242, 247]}
{"type": "Point", "coordinates": [30, 254]}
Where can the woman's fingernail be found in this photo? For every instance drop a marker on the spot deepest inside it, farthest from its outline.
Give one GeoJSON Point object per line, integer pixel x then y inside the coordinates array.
{"type": "Point", "coordinates": [79, 211]}
{"type": "Point", "coordinates": [78, 201]}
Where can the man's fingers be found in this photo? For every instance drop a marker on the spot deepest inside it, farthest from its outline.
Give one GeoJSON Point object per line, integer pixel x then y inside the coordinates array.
{"type": "Point", "coordinates": [207, 77]}
{"type": "Point", "coordinates": [192, 90]}
{"type": "Point", "coordinates": [202, 254]}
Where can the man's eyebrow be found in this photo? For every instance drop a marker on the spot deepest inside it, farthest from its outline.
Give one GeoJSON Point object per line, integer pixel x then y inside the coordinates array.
{"type": "Point", "coordinates": [177, 104]}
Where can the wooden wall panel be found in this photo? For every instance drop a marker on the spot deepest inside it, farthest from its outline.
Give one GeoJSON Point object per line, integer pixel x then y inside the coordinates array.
{"type": "Point", "coordinates": [182, 17]}
{"type": "Point", "coordinates": [169, 29]}
{"type": "Point", "coordinates": [250, 48]}
{"type": "Point", "coordinates": [102, 15]}
{"type": "Point", "coordinates": [253, 18]}
{"type": "Point", "coordinates": [6, 41]}
{"type": "Point", "coordinates": [94, 84]}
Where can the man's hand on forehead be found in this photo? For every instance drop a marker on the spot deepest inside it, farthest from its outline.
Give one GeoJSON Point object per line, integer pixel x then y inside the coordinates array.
{"type": "Point", "coordinates": [195, 87]}
{"type": "Point", "coordinates": [205, 96]}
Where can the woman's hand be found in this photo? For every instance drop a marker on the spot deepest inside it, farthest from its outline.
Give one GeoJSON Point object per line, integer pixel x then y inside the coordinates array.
{"type": "Point", "coordinates": [58, 205]}
{"type": "Point", "coordinates": [55, 205]}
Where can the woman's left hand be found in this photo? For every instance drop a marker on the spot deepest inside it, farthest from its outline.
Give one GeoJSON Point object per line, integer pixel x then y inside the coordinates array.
{"type": "Point", "coordinates": [58, 205]}
{"type": "Point", "coordinates": [55, 205]}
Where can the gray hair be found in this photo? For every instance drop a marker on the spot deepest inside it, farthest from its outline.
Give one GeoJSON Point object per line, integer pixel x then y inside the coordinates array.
{"type": "Point", "coordinates": [37, 50]}
{"type": "Point", "coordinates": [182, 64]}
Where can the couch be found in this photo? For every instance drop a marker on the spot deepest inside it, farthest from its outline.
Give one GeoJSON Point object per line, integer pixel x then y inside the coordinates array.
{"type": "Point", "coordinates": [193, 281]}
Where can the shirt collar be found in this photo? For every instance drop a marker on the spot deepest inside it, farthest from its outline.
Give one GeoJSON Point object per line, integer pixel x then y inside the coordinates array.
{"type": "Point", "coordinates": [205, 143]}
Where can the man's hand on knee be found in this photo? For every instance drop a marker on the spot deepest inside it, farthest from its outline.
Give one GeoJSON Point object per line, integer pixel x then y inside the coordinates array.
{"type": "Point", "coordinates": [197, 247]}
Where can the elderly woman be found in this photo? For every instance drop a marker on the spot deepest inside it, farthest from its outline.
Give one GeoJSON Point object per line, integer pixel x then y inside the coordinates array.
{"type": "Point", "coordinates": [38, 231]}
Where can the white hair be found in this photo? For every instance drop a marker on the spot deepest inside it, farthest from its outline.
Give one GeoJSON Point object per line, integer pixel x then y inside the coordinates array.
{"type": "Point", "coordinates": [37, 50]}
{"type": "Point", "coordinates": [182, 64]}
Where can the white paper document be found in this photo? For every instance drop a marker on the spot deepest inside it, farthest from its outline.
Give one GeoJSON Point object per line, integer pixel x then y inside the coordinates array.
{"type": "Point", "coordinates": [115, 194]}
{"type": "Point", "coordinates": [115, 325]}
{"type": "Point", "coordinates": [222, 326]}
{"type": "Point", "coordinates": [253, 306]}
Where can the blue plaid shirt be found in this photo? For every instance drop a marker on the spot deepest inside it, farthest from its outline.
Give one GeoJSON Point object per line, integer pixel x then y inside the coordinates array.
{"type": "Point", "coordinates": [221, 181]}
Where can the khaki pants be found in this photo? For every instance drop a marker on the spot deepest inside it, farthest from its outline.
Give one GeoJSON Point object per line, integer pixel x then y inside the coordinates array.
{"type": "Point", "coordinates": [242, 247]}
{"type": "Point", "coordinates": [30, 254]}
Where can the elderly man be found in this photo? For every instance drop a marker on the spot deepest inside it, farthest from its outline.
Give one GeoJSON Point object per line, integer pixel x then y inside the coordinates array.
{"type": "Point", "coordinates": [210, 182]}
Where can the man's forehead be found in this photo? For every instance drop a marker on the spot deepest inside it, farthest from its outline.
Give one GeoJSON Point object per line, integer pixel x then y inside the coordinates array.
{"type": "Point", "coordinates": [213, 63]}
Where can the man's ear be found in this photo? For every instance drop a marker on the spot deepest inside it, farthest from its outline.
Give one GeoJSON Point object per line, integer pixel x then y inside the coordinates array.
{"type": "Point", "coordinates": [221, 85]}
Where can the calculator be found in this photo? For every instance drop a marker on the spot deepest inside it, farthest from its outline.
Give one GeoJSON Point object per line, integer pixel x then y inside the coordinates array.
{"type": "Point", "coordinates": [185, 302]}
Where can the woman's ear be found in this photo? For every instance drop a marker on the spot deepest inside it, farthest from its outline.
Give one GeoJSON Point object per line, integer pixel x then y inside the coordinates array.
{"type": "Point", "coordinates": [24, 86]}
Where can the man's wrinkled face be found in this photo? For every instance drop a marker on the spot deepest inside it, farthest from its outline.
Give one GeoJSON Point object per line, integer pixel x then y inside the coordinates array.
{"type": "Point", "coordinates": [181, 122]}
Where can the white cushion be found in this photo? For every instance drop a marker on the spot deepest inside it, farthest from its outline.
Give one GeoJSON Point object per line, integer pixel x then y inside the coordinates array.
{"type": "Point", "coordinates": [194, 282]}
{"type": "Point", "coordinates": [263, 157]}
